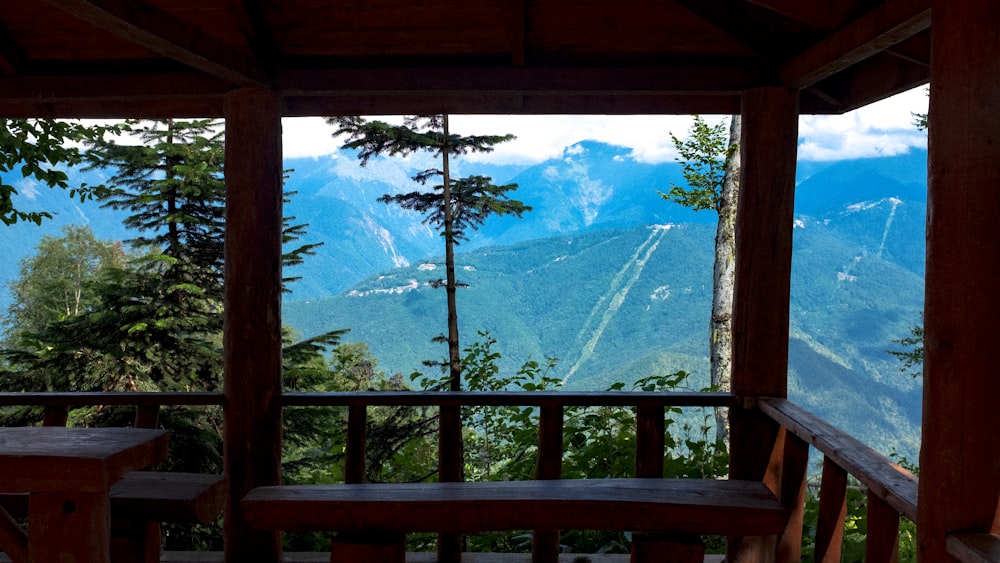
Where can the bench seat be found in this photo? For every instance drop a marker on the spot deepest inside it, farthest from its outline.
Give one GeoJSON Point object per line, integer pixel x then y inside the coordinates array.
{"type": "Point", "coordinates": [695, 506]}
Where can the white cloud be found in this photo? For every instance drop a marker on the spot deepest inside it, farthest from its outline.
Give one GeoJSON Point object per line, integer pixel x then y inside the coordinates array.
{"type": "Point", "coordinates": [884, 128]}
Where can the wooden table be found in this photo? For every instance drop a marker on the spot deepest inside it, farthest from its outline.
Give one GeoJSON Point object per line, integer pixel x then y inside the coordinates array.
{"type": "Point", "coordinates": [68, 472]}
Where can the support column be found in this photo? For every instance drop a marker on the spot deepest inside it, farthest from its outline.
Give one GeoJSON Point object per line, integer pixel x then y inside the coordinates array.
{"type": "Point", "coordinates": [960, 452]}
{"type": "Point", "coordinates": [252, 335]}
{"type": "Point", "coordinates": [762, 289]}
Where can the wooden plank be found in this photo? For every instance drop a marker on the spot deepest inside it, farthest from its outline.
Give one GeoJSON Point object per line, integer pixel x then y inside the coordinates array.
{"type": "Point", "coordinates": [83, 459]}
{"type": "Point", "coordinates": [646, 505]}
{"type": "Point", "coordinates": [897, 486]}
{"type": "Point", "coordinates": [164, 34]}
{"type": "Point", "coordinates": [252, 332]}
{"type": "Point", "coordinates": [960, 444]}
{"type": "Point", "coordinates": [975, 548]}
{"type": "Point", "coordinates": [882, 538]}
{"type": "Point", "coordinates": [883, 27]}
{"type": "Point", "coordinates": [163, 496]}
{"type": "Point", "coordinates": [832, 513]}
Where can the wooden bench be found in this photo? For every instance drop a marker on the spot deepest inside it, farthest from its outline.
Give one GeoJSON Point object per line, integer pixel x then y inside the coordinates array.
{"type": "Point", "coordinates": [388, 511]}
{"type": "Point", "coordinates": [144, 499]}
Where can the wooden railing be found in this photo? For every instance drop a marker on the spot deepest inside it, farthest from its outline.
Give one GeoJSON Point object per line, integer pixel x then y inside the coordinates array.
{"type": "Point", "coordinates": [56, 406]}
{"type": "Point", "coordinates": [892, 490]}
{"type": "Point", "coordinates": [650, 433]}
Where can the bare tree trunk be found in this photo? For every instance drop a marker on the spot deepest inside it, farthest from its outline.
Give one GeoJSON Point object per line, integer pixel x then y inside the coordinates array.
{"type": "Point", "coordinates": [723, 278]}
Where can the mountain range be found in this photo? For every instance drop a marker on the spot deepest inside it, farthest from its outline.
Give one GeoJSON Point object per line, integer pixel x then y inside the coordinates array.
{"type": "Point", "coordinates": [604, 274]}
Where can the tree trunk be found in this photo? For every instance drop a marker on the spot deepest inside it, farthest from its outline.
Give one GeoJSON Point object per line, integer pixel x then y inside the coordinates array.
{"type": "Point", "coordinates": [724, 276]}
{"type": "Point", "coordinates": [451, 285]}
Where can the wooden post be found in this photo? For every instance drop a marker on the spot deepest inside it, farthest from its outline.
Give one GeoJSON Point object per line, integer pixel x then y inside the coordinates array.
{"type": "Point", "coordinates": [960, 444]}
{"type": "Point", "coordinates": [252, 335]}
{"type": "Point", "coordinates": [761, 291]}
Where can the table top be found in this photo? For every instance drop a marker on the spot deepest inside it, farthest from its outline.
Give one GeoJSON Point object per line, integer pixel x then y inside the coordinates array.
{"type": "Point", "coordinates": [53, 458]}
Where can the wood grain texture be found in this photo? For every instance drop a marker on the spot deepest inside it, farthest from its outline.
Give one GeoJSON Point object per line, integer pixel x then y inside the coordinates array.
{"type": "Point", "coordinates": [36, 459]}
{"type": "Point", "coordinates": [686, 505]}
{"type": "Point", "coordinates": [960, 441]}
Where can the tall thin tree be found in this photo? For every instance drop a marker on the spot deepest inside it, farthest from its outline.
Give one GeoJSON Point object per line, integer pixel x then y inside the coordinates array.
{"type": "Point", "coordinates": [455, 205]}
{"type": "Point", "coordinates": [711, 167]}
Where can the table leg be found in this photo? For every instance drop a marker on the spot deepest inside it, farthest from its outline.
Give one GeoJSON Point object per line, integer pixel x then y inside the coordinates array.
{"type": "Point", "coordinates": [69, 527]}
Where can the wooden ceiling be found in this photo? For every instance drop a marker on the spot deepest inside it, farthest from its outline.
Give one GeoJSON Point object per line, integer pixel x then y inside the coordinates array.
{"type": "Point", "coordinates": [158, 58]}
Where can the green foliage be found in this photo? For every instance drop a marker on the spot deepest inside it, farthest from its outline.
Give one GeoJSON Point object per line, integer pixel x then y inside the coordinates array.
{"type": "Point", "coordinates": [455, 205]}
{"type": "Point", "coordinates": [911, 356]}
{"type": "Point", "coordinates": [855, 528]}
{"type": "Point", "coordinates": [473, 200]}
{"type": "Point", "coordinates": [703, 159]}
{"type": "Point", "coordinates": [40, 147]}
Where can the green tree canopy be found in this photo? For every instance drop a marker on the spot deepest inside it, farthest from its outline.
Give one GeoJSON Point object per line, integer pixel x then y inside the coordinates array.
{"type": "Point", "coordinates": [41, 149]}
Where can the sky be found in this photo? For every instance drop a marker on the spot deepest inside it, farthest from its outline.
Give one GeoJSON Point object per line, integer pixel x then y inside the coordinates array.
{"type": "Point", "coordinates": [881, 129]}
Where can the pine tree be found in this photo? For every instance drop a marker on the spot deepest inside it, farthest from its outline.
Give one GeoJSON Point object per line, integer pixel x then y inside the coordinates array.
{"type": "Point", "coordinates": [454, 205]}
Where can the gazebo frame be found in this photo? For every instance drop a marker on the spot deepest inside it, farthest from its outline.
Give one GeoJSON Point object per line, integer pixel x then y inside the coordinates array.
{"type": "Point", "coordinates": [160, 58]}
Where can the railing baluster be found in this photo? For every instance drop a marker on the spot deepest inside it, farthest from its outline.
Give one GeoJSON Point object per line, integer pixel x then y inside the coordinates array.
{"type": "Point", "coordinates": [356, 448]}
{"type": "Point", "coordinates": [147, 416]}
{"type": "Point", "coordinates": [832, 513]}
{"type": "Point", "coordinates": [449, 470]}
{"type": "Point", "coordinates": [649, 441]}
{"type": "Point", "coordinates": [545, 543]}
{"type": "Point", "coordinates": [882, 542]}
{"type": "Point", "coordinates": [795, 462]}
{"type": "Point", "coordinates": [55, 415]}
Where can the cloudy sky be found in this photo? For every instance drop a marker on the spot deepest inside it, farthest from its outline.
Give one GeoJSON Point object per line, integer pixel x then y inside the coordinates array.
{"type": "Point", "coordinates": [884, 128]}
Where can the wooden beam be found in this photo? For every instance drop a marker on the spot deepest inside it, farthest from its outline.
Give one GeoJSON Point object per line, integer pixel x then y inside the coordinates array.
{"type": "Point", "coordinates": [482, 79]}
{"type": "Point", "coordinates": [872, 33]}
{"type": "Point", "coordinates": [166, 35]}
{"type": "Point", "coordinates": [960, 440]}
{"type": "Point", "coordinates": [252, 313]}
{"type": "Point", "coordinates": [814, 13]}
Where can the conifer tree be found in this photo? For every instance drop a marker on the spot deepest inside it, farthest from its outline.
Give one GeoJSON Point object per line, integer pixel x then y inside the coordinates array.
{"type": "Point", "coordinates": [454, 205]}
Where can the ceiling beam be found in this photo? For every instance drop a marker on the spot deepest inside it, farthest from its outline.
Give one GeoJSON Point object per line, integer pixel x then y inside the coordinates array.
{"type": "Point", "coordinates": [872, 33]}
{"type": "Point", "coordinates": [814, 13]}
{"type": "Point", "coordinates": [597, 80]}
{"type": "Point", "coordinates": [164, 34]}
